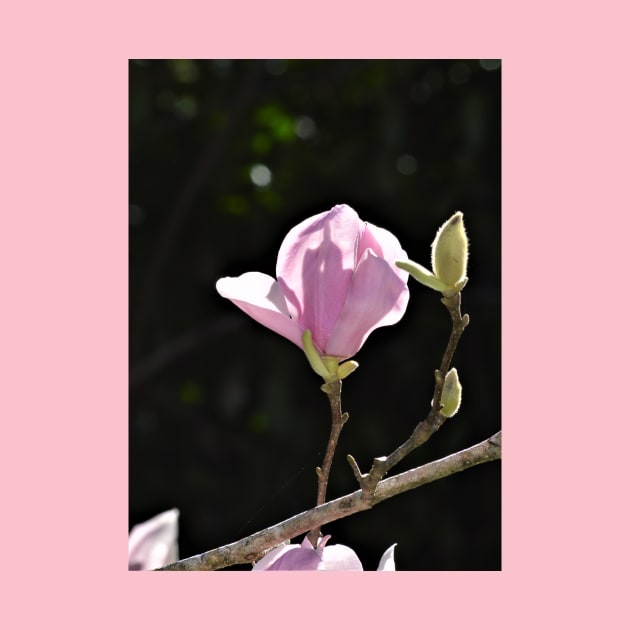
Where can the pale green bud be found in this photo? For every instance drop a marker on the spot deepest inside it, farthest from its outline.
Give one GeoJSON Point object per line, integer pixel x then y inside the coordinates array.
{"type": "Point", "coordinates": [449, 253]}
{"type": "Point", "coordinates": [451, 394]}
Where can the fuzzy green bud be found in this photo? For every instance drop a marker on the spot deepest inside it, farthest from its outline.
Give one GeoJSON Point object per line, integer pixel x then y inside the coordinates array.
{"type": "Point", "coordinates": [451, 394]}
{"type": "Point", "coordinates": [449, 253]}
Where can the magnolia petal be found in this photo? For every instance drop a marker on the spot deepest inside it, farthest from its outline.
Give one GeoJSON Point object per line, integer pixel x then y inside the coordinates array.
{"type": "Point", "coordinates": [377, 297]}
{"type": "Point", "coordinates": [260, 296]}
{"type": "Point", "coordinates": [270, 557]}
{"type": "Point", "coordinates": [153, 544]}
{"type": "Point", "coordinates": [294, 558]}
{"type": "Point", "coordinates": [304, 557]}
{"type": "Point", "coordinates": [387, 562]}
{"type": "Point", "coordinates": [385, 245]}
{"type": "Point", "coordinates": [340, 558]}
{"type": "Point", "coordinates": [297, 560]}
{"type": "Point", "coordinates": [316, 261]}
{"type": "Point", "coordinates": [324, 284]}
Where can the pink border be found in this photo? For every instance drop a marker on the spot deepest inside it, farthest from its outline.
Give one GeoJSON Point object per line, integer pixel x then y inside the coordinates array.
{"type": "Point", "coordinates": [65, 313]}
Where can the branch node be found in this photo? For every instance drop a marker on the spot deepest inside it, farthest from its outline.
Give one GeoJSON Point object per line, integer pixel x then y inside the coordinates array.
{"type": "Point", "coordinates": [358, 475]}
{"type": "Point", "coordinates": [379, 467]}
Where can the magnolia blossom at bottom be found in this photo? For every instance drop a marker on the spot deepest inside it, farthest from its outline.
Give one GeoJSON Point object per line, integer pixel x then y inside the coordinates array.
{"type": "Point", "coordinates": [305, 557]}
{"type": "Point", "coordinates": [153, 544]}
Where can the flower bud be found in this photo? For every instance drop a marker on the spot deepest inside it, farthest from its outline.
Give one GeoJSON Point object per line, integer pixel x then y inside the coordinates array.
{"type": "Point", "coordinates": [449, 253]}
{"type": "Point", "coordinates": [335, 277]}
{"type": "Point", "coordinates": [451, 394]}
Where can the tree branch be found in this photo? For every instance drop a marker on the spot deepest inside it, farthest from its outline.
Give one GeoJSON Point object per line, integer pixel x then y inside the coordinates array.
{"type": "Point", "coordinates": [333, 391]}
{"type": "Point", "coordinates": [252, 547]}
{"type": "Point", "coordinates": [434, 420]}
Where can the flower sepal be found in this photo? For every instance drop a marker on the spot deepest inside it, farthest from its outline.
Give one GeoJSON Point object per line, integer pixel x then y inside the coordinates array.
{"type": "Point", "coordinates": [328, 368]}
{"type": "Point", "coordinates": [422, 275]}
{"type": "Point", "coordinates": [345, 369]}
{"type": "Point", "coordinates": [315, 360]}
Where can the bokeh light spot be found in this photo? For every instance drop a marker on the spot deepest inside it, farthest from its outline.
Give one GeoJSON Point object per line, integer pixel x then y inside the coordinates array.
{"type": "Point", "coordinates": [281, 124]}
{"type": "Point", "coordinates": [407, 164]}
{"type": "Point", "coordinates": [305, 128]}
{"type": "Point", "coordinates": [260, 175]}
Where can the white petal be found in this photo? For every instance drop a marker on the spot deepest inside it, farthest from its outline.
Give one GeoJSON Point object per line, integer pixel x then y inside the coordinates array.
{"type": "Point", "coordinates": [387, 560]}
{"type": "Point", "coordinates": [153, 544]}
{"type": "Point", "coordinates": [341, 558]}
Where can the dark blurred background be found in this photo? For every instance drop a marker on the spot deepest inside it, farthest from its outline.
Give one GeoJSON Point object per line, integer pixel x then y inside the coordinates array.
{"type": "Point", "coordinates": [227, 422]}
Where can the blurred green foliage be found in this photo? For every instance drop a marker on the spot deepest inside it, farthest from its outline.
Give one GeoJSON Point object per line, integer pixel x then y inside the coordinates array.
{"type": "Point", "coordinates": [227, 422]}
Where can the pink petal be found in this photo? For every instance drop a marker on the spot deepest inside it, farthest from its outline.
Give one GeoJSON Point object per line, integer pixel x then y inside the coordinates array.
{"type": "Point", "coordinates": [270, 557]}
{"type": "Point", "coordinates": [315, 266]}
{"type": "Point", "coordinates": [291, 558]}
{"type": "Point", "coordinates": [153, 544]}
{"type": "Point", "coordinates": [385, 245]}
{"type": "Point", "coordinates": [377, 297]}
{"type": "Point", "coordinates": [260, 296]}
{"type": "Point", "coordinates": [297, 560]}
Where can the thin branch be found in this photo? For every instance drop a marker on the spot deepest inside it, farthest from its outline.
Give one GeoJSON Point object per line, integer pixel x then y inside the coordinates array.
{"type": "Point", "coordinates": [338, 419]}
{"type": "Point", "coordinates": [333, 391]}
{"type": "Point", "coordinates": [434, 420]}
{"type": "Point", "coordinates": [253, 547]}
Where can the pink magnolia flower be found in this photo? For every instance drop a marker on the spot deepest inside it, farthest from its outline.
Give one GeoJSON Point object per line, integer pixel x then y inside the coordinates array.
{"type": "Point", "coordinates": [305, 557]}
{"type": "Point", "coordinates": [153, 544]}
{"type": "Point", "coordinates": [335, 278]}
